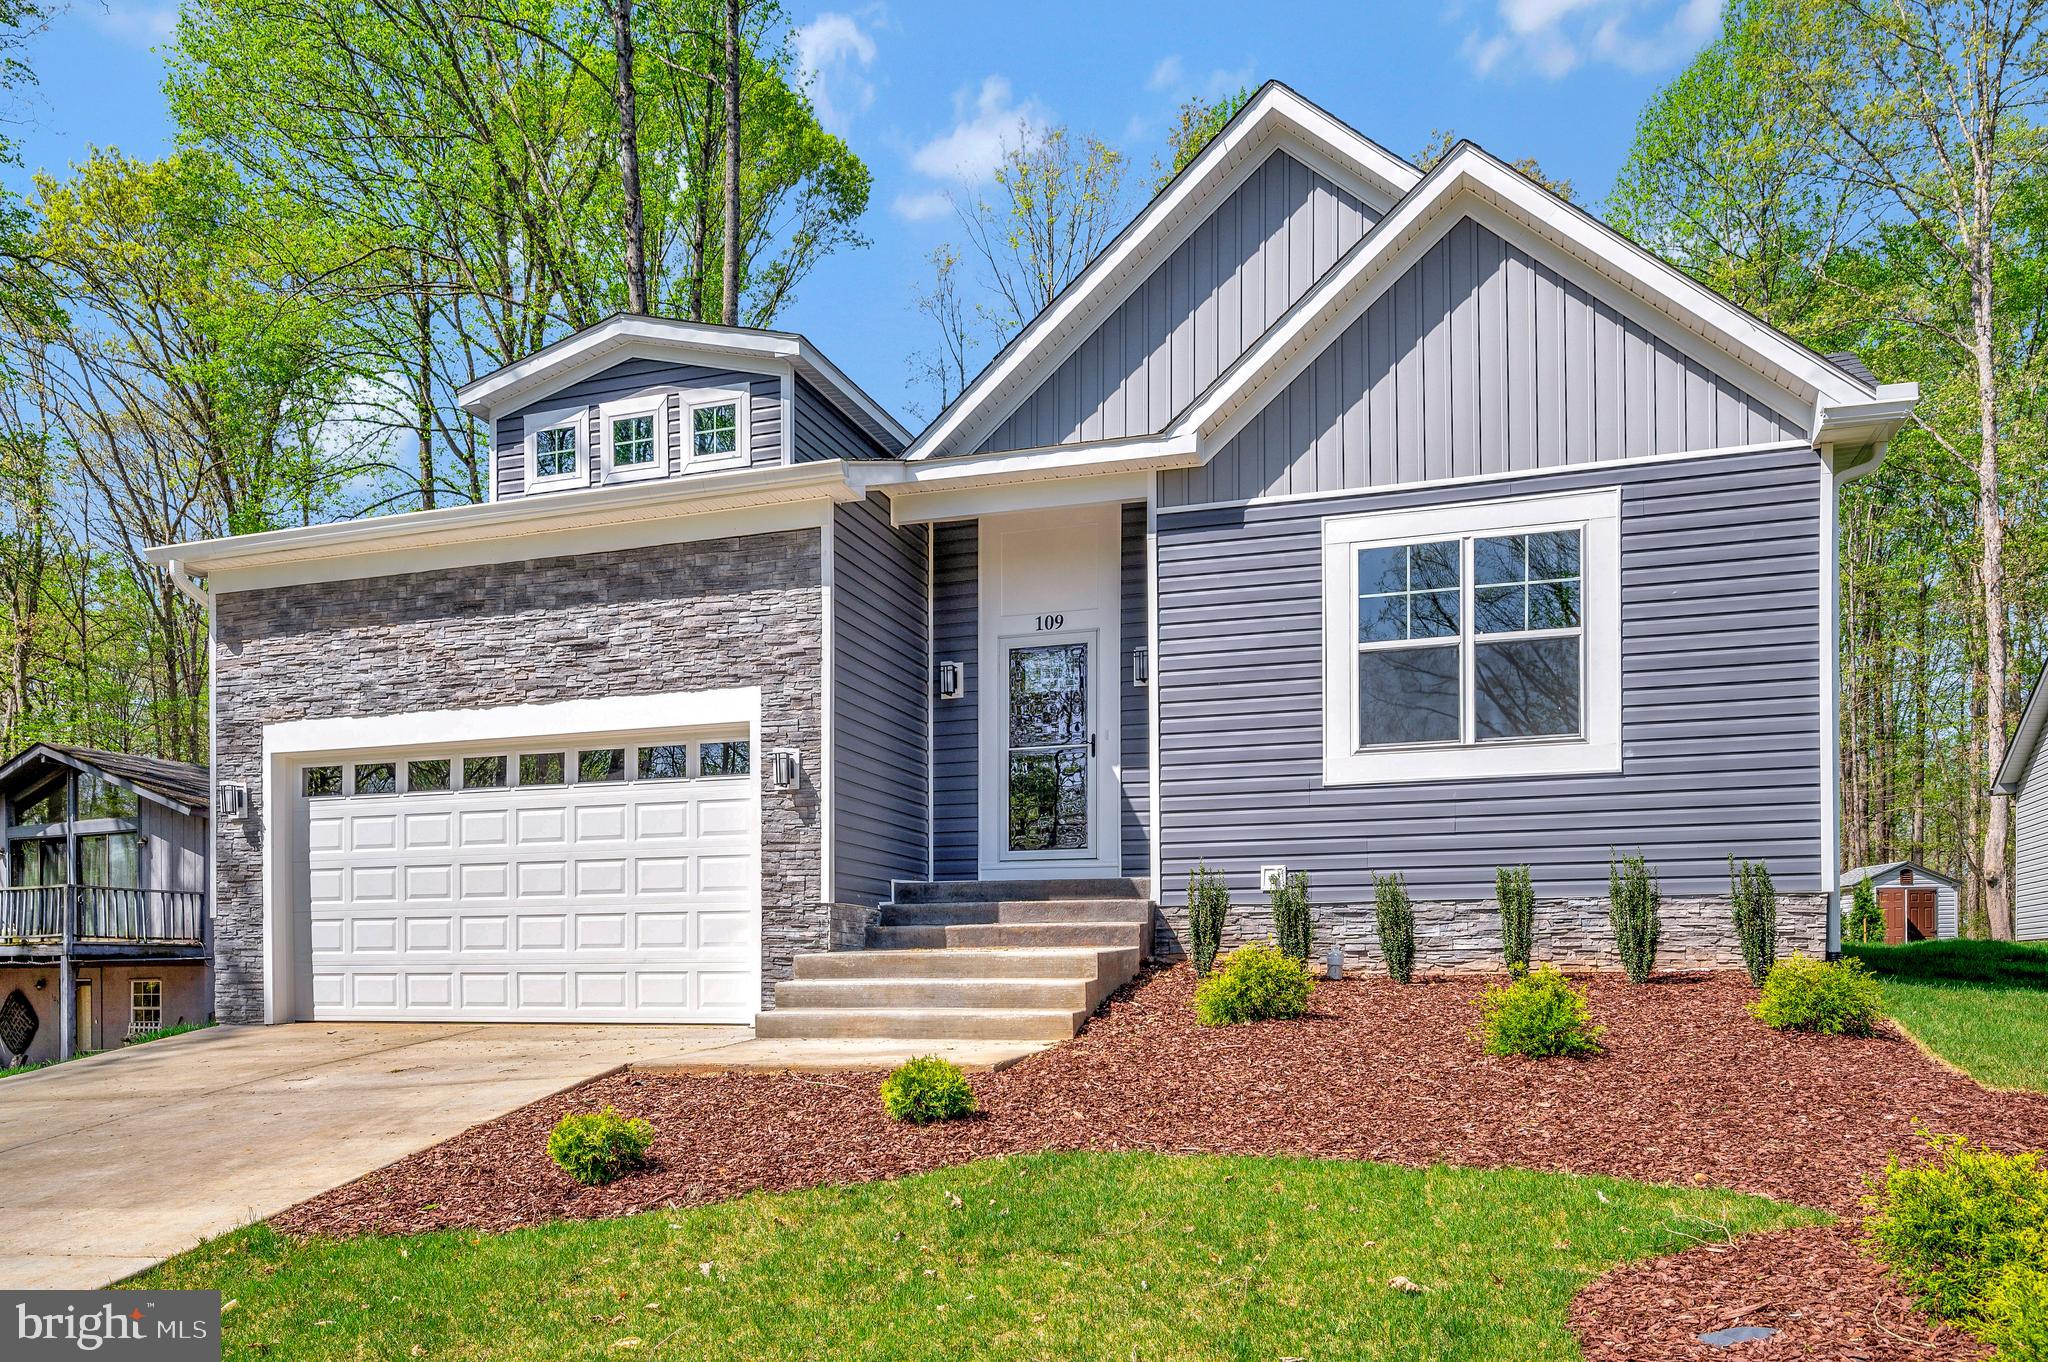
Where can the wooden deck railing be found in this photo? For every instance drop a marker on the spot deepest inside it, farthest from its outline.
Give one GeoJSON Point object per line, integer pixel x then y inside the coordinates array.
{"type": "Point", "coordinates": [100, 913]}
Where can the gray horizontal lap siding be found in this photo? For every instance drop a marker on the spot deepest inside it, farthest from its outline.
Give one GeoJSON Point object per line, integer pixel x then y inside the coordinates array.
{"type": "Point", "coordinates": [1477, 360]}
{"type": "Point", "coordinates": [1720, 563]}
{"type": "Point", "coordinates": [823, 433]}
{"type": "Point", "coordinates": [956, 610]}
{"type": "Point", "coordinates": [1253, 258]}
{"type": "Point", "coordinates": [1134, 711]}
{"type": "Point", "coordinates": [2030, 855]}
{"type": "Point", "coordinates": [879, 706]}
{"type": "Point", "coordinates": [631, 378]}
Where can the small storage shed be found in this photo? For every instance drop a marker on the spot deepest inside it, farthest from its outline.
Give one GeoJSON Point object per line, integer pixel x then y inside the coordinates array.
{"type": "Point", "coordinates": [1918, 904]}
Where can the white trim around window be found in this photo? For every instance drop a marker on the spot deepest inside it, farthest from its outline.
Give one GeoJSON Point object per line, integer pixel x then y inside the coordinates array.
{"type": "Point", "coordinates": [708, 400]}
{"type": "Point", "coordinates": [1454, 630]}
{"type": "Point", "coordinates": [548, 425]}
{"type": "Point", "coordinates": [635, 428]}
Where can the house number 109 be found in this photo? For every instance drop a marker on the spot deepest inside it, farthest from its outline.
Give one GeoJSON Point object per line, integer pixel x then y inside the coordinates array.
{"type": "Point", "coordinates": [1048, 623]}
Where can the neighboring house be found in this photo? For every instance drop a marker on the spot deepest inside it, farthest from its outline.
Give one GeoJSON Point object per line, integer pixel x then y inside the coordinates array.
{"type": "Point", "coordinates": [2027, 781]}
{"type": "Point", "coordinates": [103, 931]}
{"type": "Point", "coordinates": [1918, 904]}
{"type": "Point", "coordinates": [1338, 518]}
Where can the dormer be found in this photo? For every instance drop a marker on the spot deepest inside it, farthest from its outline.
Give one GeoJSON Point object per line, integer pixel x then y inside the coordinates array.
{"type": "Point", "coordinates": [643, 399]}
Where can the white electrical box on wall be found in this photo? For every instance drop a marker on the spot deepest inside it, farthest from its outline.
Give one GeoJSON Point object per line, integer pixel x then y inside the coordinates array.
{"type": "Point", "coordinates": [1272, 877]}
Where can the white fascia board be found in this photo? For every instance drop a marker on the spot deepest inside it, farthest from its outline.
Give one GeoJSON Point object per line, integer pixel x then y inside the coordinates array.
{"type": "Point", "coordinates": [499, 530]}
{"type": "Point", "coordinates": [1869, 421]}
{"type": "Point", "coordinates": [968, 501]}
{"type": "Point", "coordinates": [1614, 261]}
{"type": "Point", "coordinates": [1063, 475]}
{"type": "Point", "coordinates": [577, 356]}
{"type": "Point", "coordinates": [1275, 115]}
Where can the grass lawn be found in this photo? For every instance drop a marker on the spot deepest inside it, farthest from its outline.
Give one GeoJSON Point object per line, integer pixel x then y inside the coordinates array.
{"type": "Point", "coordinates": [1050, 1255]}
{"type": "Point", "coordinates": [1980, 1005]}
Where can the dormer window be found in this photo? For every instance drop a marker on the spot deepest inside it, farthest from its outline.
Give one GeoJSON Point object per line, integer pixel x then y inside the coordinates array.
{"type": "Point", "coordinates": [635, 438]}
{"type": "Point", "coordinates": [554, 454]}
{"type": "Point", "coordinates": [717, 429]}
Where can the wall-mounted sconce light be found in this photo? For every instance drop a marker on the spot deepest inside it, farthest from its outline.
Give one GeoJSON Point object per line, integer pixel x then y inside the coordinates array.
{"type": "Point", "coordinates": [785, 768]}
{"type": "Point", "coordinates": [1141, 665]}
{"type": "Point", "coordinates": [952, 680]}
{"type": "Point", "coordinates": [231, 799]}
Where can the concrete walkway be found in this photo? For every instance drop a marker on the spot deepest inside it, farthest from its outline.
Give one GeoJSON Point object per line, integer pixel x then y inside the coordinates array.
{"type": "Point", "coordinates": [115, 1162]}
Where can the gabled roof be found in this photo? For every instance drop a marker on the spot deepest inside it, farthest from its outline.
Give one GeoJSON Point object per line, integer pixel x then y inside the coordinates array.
{"type": "Point", "coordinates": [180, 784]}
{"type": "Point", "coordinates": [1852, 878]}
{"type": "Point", "coordinates": [1275, 116]}
{"type": "Point", "coordinates": [626, 335]}
{"type": "Point", "coordinates": [2012, 772]}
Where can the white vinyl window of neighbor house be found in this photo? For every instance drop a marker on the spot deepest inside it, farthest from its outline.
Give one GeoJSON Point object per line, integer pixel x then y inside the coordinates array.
{"type": "Point", "coordinates": [635, 438]}
{"type": "Point", "coordinates": [145, 1006]}
{"type": "Point", "coordinates": [715, 430]}
{"type": "Point", "coordinates": [1472, 641]}
{"type": "Point", "coordinates": [554, 450]}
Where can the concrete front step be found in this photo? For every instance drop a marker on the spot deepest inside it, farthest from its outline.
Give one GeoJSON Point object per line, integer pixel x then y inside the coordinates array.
{"type": "Point", "coordinates": [1118, 935]}
{"type": "Point", "coordinates": [1015, 910]}
{"type": "Point", "coordinates": [986, 891]}
{"type": "Point", "coordinates": [924, 1023]}
{"type": "Point", "coordinates": [1016, 962]}
{"type": "Point", "coordinates": [1028, 995]}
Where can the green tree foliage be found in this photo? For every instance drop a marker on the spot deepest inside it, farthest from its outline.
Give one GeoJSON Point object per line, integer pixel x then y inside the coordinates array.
{"type": "Point", "coordinates": [1195, 125]}
{"type": "Point", "coordinates": [1756, 916]}
{"type": "Point", "coordinates": [1866, 919]}
{"type": "Point", "coordinates": [1293, 927]}
{"type": "Point", "coordinates": [1515, 891]}
{"type": "Point", "coordinates": [1441, 141]}
{"type": "Point", "coordinates": [1208, 906]}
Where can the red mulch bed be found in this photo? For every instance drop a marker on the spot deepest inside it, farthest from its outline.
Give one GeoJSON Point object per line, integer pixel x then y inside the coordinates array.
{"type": "Point", "coordinates": [1690, 1090]}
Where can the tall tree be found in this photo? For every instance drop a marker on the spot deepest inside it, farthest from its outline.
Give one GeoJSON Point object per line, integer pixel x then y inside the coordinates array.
{"type": "Point", "coordinates": [625, 94]}
{"type": "Point", "coordinates": [1442, 140]}
{"type": "Point", "coordinates": [1055, 202]}
{"type": "Point", "coordinates": [1195, 125]}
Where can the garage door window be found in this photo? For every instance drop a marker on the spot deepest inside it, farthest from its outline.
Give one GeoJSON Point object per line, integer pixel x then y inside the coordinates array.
{"type": "Point", "coordinates": [483, 773]}
{"type": "Point", "coordinates": [428, 776]}
{"type": "Point", "coordinates": [376, 777]}
{"type": "Point", "coordinates": [540, 768]}
{"type": "Point", "coordinates": [603, 764]}
{"type": "Point", "coordinates": [723, 759]}
{"type": "Point", "coordinates": [665, 761]}
{"type": "Point", "coordinates": [322, 780]}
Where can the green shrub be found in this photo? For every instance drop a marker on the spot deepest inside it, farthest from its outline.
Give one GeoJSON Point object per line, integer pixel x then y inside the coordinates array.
{"type": "Point", "coordinates": [1952, 1228]}
{"type": "Point", "coordinates": [1999, 964]}
{"type": "Point", "coordinates": [1515, 891]}
{"type": "Point", "coordinates": [1866, 919]}
{"type": "Point", "coordinates": [1208, 905]}
{"type": "Point", "coordinates": [2017, 1314]}
{"type": "Point", "coordinates": [1290, 916]}
{"type": "Point", "coordinates": [1256, 983]}
{"type": "Point", "coordinates": [1394, 916]}
{"type": "Point", "coordinates": [927, 1090]}
{"type": "Point", "coordinates": [1835, 999]}
{"type": "Point", "coordinates": [596, 1147]}
{"type": "Point", "coordinates": [1538, 1014]}
{"type": "Point", "coordinates": [1756, 916]}
{"type": "Point", "coordinates": [1632, 901]}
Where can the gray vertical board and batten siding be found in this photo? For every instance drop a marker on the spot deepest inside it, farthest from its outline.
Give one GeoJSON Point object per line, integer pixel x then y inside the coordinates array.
{"type": "Point", "coordinates": [1134, 709]}
{"type": "Point", "coordinates": [632, 378]}
{"type": "Point", "coordinates": [822, 432]}
{"type": "Point", "coordinates": [1256, 254]}
{"type": "Point", "coordinates": [2030, 854]}
{"type": "Point", "coordinates": [956, 727]}
{"type": "Point", "coordinates": [175, 856]}
{"type": "Point", "coordinates": [1478, 360]}
{"type": "Point", "coordinates": [1720, 580]}
{"type": "Point", "coordinates": [879, 713]}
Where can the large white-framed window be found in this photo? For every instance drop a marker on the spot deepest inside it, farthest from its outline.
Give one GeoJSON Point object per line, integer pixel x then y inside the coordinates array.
{"type": "Point", "coordinates": [635, 435]}
{"type": "Point", "coordinates": [715, 429]}
{"type": "Point", "coordinates": [1472, 641]}
{"type": "Point", "coordinates": [554, 449]}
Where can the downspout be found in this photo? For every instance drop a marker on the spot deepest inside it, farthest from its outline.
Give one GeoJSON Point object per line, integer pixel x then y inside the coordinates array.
{"type": "Point", "coordinates": [1831, 673]}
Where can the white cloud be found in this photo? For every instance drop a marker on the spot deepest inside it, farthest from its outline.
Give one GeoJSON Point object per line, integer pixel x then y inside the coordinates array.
{"type": "Point", "coordinates": [921, 206]}
{"type": "Point", "coordinates": [1552, 38]}
{"type": "Point", "coordinates": [986, 120]}
{"type": "Point", "coordinates": [137, 25]}
{"type": "Point", "coordinates": [834, 52]}
{"type": "Point", "coordinates": [1167, 75]}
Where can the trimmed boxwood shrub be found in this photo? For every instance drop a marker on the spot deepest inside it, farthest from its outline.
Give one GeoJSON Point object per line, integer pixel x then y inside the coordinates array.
{"type": "Point", "coordinates": [1961, 1230]}
{"type": "Point", "coordinates": [1208, 905]}
{"type": "Point", "coordinates": [927, 1089]}
{"type": "Point", "coordinates": [1255, 983]}
{"type": "Point", "coordinates": [596, 1147]}
{"type": "Point", "coordinates": [1539, 1014]}
{"type": "Point", "coordinates": [1833, 998]}
{"type": "Point", "coordinates": [1291, 918]}
{"type": "Point", "coordinates": [1756, 916]}
{"type": "Point", "coordinates": [1632, 910]}
{"type": "Point", "coordinates": [1515, 891]}
{"type": "Point", "coordinates": [1394, 916]}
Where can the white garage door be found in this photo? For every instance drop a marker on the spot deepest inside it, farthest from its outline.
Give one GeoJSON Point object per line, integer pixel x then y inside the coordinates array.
{"type": "Point", "coordinates": [560, 880]}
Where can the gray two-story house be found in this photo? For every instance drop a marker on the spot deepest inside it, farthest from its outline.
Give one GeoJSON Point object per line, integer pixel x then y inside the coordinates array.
{"type": "Point", "coordinates": [1338, 518]}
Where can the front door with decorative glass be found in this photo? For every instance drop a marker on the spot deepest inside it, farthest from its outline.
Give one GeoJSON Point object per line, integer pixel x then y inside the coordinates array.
{"type": "Point", "coordinates": [1051, 748]}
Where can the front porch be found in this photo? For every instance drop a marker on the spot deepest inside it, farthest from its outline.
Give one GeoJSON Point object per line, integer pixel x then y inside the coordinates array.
{"type": "Point", "coordinates": [46, 921]}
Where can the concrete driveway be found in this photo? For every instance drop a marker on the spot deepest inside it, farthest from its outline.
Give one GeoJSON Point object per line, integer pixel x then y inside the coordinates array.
{"type": "Point", "coordinates": [110, 1164]}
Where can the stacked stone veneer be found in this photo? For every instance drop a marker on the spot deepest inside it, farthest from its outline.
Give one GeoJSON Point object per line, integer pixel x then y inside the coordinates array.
{"type": "Point", "coordinates": [743, 611]}
{"type": "Point", "coordinates": [1462, 935]}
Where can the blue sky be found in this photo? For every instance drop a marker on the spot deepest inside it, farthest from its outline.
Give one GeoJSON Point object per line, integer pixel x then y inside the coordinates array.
{"type": "Point", "coordinates": [925, 93]}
